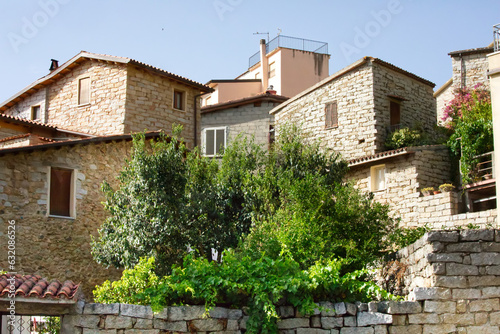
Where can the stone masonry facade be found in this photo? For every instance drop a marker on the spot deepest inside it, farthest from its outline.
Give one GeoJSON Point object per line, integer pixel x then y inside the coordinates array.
{"type": "Point", "coordinates": [363, 95]}
{"type": "Point", "coordinates": [247, 120]}
{"type": "Point", "coordinates": [124, 98]}
{"type": "Point", "coordinates": [405, 176]}
{"type": "Point", "coordinates": [453, 284]}
{"type": "Point", "coordinates": [56, 247]}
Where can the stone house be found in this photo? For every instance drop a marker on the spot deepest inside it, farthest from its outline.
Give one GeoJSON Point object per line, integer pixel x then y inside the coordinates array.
{"type": "Point", "coordinates": [470, 67]}
{"type": "Point", "coordinates": [66, 133]}
{"type": "Point", "coordinates": [52, 192]}
{"type": "Point", "coordinates": [104, 95]}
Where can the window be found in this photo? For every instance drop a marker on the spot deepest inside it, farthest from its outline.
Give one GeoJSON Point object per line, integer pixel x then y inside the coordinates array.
{"type": "Point", "coordinates": [61, 190]}
{"type": "Point", "coordinates": [214, 141]}
{"type": "Point", "coordinates": [178, 100]}
{"type": "Point", "coordinates": [331, 115]}
{"type": "Point", "coordinates": [395, 109]}
{"type": "Point", "coordinates": [272, 69]}
{"type": "Point", "coordinates": [84, 91]}
{"type": "Point", "coordinates": [377, 176]}
{"type": "Point", "coordinates": [35, 112]}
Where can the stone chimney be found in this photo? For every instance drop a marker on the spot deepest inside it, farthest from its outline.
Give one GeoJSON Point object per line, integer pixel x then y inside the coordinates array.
{"type": "Point", "coordinates": [54, 64]}
{"type": "Point", "coordinates": [264, 66]}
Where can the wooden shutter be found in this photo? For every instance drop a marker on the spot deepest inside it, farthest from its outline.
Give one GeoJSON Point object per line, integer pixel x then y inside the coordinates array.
{"type": "Point", "coordinates": [84, 91]}
{"type": "Point", "coordinates": [178, 100]}
{"type": "Point", "coordinates": [395, 114]}
{"type": "Point", "coordinates": [220, 140]}
{"type": "Point", "coordinates": [331, 115]}
{"type": "Point", "coordinates": [209, 142]}
{"type": "Point", "coordinates": [60, 191]}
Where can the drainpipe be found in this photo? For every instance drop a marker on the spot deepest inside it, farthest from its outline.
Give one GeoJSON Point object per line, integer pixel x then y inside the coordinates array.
{"type": "Point", "coordinates": [195, 123]}
{"type": "Point", "coordinates": [264, 66]}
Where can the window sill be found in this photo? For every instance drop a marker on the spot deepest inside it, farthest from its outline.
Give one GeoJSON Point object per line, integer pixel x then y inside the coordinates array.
{"type": "Point", "coordinates": [178, 109]}
{"type": "Point", "coordinates": [61, 217]}
{"type": "Point", "coordinates": [83, 105]}
{"type": "Point", "coordinates": [332, 127]}
{"type": "Point", "coordinates": [379, 191]}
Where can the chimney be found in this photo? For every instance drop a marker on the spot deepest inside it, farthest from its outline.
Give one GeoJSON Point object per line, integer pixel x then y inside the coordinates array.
{"type": "Point", "coordinates": [54, 64]}
{"type": "Point", "coordinates": [264, 66]}
{"type": "Point", "coordinates": [270, 90]}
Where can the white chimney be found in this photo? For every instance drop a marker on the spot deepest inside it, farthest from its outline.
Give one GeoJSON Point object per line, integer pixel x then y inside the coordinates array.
{"type": "Point", "coordinates": [264, 65]}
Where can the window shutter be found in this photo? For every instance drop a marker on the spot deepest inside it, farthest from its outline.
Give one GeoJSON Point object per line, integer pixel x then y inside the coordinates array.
{"type": "Point", "coordinates": [331, 115]}
{"type": "Point", "coordinates": [209, 142]}
{"type": "Point", "coordinates": [60, 192]}
{"type": "Point", "coordinates": [395, 109]}
{"type": "Point", "coordinates": [220, 140]}
{"type": "Point", "coordinates": [84, 91]}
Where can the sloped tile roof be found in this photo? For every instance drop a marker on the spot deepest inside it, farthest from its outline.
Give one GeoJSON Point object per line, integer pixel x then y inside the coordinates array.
{"type": "Point", "coordinates": [24, 136]}
{"type": "Point", "coordinates": [245, 100]}
{"type": "Point", "coordinates": [26, 121]}
{"type": "Point", "coordinates": [37, 287]}
{"type": "Point", "coordinates": [379, 156]}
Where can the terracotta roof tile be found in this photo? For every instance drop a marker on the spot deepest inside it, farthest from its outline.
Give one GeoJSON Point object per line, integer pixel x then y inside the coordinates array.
{"type": "Point", "coordinates": [24, 135]}
{"type": "Point", "coordinates": [25, 121]}
{"type": "Point", "coordinates": [378, 156]}
{"type": "Point", "coordinates": [36, 286]}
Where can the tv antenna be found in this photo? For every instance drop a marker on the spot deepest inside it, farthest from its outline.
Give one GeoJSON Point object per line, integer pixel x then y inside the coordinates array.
{"type": "Point", "coordinates": [262, 33]}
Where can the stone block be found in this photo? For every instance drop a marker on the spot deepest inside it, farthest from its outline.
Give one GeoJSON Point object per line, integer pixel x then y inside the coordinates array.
{"type": "Point", "coordinates": [218, 313]}
{"type": "Point", "coordinates": [232, 325]}
{"type": "Point", "coordinates": [206, 325]}
{"type": "Point", "coordinates": [490, 292]}
{"type": "Point", "coordinates": [329, 309]}
{"type": "Point", "coordinates": [470, 247]}
{"type": "Point", "coordinates": [177, 313]}
{"type": "Point", "coordinates": [312, 331]}
{"type": "Point", "coordinates": [173, 326]}
{"type": "Point", "coordinates": [114, 321]}
{"type": "Point", "coordinates": [466, 294]}
{"type": "Point", "coordinates": [286, 311]}
{"type": "Point", "coordinates": [331, 322]}
{"type": "Point", "coordinates": [481, 281]}
{"type": "Point", "coordinates": [373, 318]}
{"type": "Point", "coordinates": [457, 269]}
{"type": "Point", "coordinates": [443, 236]}
{"type": "Point", "coordinates": [137, 311]}
{"type": "Point", "coordinates": [432, 306]}
{"type": "Point", "coordinates": [459, 319]}
{"type": "Point", "coordinates": [485, 305]}
{"type": "Point", "coordinates": [419, 293]}
{"type": "Point", "coordinates": [408, 329]}
{"type": "Point", "coordinates": [404, 307]}
{"type": "Point", "coordinates": [357, 330]}
{"type": "Point", "coordinates": [485, 329]}
{"type": "Point", "coordinates": [476, 235]}
{"type": "Point", "coordinates": [444, 257]}
{"type": "Point", "coordinates": [485, 259]}
{"type": "Point", "coordinates": [351, 308]}
{"type": "Point", "coordinates": [140, 331]}
{"type": "Point", "coordinates": [441, 329]}
{"type": "Point", "coordinates": [481, 318]}
{"type": "Point", "coordinates": [423, 318]}
{"type": "Point", "coordinates": [350, 321]}
{"type": "Point", "coordinates": [234, 314]}
{"type": "Point", "coordinates": [94, 308]}
{"type": "Point", "coordinates": [143, 323]}
{"type": "Point", "coordinates": [493, 270]}
{"type": "Point", "coordinates": [293, 323]}
{"type": "Point", "coordinates": [495, 318]}
{"type": "Point", "coordinates": [340, 308]}
{"type": "Point", "coordinates": [98, 331]}
{"type": "Point", "coordinates": [450, 281]}
{"type": "Point", "coordinates": [162, 315]}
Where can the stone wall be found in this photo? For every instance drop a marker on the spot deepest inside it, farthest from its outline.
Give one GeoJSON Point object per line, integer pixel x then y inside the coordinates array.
{"type": "Point", "coordinates": [418, 106]}
{"type": "Point", "coordinates": [54, 247]}
{"type": "Point", "coordinates": [247, 120]}
{"type": "Point", "coordinates": [104, 114]}
{"type": "Point", "coordinates": [355, 134]}
{"type": "Point", "coordinates": [405, 176]}
{"type": "Point", "coordinates": [452, 281]}
{"type": "Point", "coordinates": [442, 99]}
{"type": "Point", "coordinates": [149, 105]}
{"type": "Point", "coordinates": [23, 108]}
{"type": "Point", "coordinates": [363, 96]}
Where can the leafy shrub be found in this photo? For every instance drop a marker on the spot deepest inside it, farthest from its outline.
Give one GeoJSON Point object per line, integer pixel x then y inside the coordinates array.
{"type": "Point", "coordinates": [51, 325]}
{"type": "Point", "coordinates": [239, 280]}
{"type": "Point", "coordinates": [403, 138]}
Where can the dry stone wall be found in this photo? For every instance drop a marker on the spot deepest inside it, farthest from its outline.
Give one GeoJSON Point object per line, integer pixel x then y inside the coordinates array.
{"type": "Point", "coordinates": [452, 281]}
{"type": "Point", "coordinates": [23, 108]}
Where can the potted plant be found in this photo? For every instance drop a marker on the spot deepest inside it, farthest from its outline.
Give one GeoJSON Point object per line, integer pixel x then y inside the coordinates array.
{"type": "Point", "coordinates": [427, 191]}
{"type": "Point", "coordinates": [446, 187]}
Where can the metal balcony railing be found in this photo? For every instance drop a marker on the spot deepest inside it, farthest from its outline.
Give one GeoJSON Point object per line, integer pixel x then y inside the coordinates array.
{"type": "Point", "coordinates": [485, 167]}
{"type": "Point", "coordinates": [496, 37]}
{"type": "Point", "coordinates": [290, 43]}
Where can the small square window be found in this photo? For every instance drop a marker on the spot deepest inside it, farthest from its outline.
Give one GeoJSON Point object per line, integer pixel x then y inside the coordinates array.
{"type": "Point", "coordinates": [84, 91]}
{"type": "Point", "coordinates": [61, 192]}
{"type": "Point", "coordinates": [35, 113]}
{"type": "Point", "coordinates": [214, 141]}
{"type": "Point", "coordinates": [331, 115]}
{"type": "Point", "coordinates": [377, 176]}
{"type": "Point", "coordinates": [178, 100]}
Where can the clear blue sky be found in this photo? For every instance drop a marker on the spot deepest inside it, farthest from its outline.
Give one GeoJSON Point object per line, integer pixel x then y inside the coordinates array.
{"type": "Point", "coordinates": [213, 39]}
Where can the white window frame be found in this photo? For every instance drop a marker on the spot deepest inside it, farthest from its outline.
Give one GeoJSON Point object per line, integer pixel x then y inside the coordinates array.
{"type": "Point", "coordinates": [204, 138]}
{"type": "Point", "coordinates": [272, 71]}
{"type": "Point", "coordinates": [374, 180]}
{"type": "Point", "coordinates": [79, 90]}
{"type": "Point", "coordinates": [72, 190]}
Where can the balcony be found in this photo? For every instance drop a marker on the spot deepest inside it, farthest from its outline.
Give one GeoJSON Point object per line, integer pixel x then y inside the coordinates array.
{"type": "Point", "coordinates": [300, 44]}
{"type": "Point", "coordinates": [481, 193]}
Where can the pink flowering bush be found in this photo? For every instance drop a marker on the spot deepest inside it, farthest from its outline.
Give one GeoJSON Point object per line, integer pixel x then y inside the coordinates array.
{"type": "Point", "coordinates": [465, 99]}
